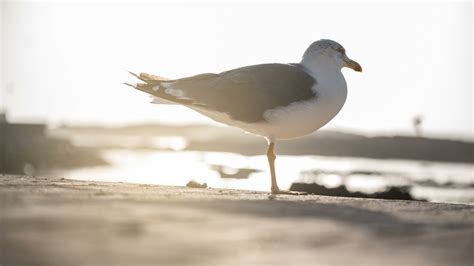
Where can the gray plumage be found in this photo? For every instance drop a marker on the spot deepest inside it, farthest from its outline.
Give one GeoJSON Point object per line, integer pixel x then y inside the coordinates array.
{"type": "Point", "coordinates": [243, 93]}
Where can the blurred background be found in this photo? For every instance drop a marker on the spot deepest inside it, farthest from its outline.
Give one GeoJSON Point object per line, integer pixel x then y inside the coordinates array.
{"type": "Point", "coordinates": [405, 132]}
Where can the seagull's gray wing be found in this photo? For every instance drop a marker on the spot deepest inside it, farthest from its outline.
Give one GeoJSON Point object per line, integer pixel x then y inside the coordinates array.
{"type": "Point", "coordinates": [243, 93]}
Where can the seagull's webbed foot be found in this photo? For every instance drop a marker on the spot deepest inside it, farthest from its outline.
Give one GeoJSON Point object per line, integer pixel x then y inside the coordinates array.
{"type": "Point", "coordinates": [287, 192]}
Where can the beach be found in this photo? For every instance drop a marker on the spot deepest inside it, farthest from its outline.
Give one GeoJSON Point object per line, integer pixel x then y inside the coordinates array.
{"type": "Point", "coordinates": [56, 221]}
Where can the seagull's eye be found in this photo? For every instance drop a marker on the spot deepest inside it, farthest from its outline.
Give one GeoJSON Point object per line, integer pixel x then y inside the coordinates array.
{"type": "Point", "coordinates": [341, 50]}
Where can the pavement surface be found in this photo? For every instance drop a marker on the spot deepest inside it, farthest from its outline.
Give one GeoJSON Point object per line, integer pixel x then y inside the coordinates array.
{"type": "Point", "coordinates": [51, 221]}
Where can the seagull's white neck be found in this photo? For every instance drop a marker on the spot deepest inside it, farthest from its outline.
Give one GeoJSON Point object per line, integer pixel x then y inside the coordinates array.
{"type": "Point", "coordinates": [330, 88]}
{"type": "Point", "coordinates": [327, 72]}
{"type": "Point", "coordinates": [320, 65]}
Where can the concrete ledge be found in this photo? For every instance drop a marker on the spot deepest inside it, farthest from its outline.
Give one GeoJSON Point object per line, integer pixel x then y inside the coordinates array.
{"type": "Point", "coordinates": [48, 221]}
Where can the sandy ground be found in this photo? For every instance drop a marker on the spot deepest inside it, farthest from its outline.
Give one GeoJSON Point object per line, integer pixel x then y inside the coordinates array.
{"type": "Point", "coordinates": [47, 221]}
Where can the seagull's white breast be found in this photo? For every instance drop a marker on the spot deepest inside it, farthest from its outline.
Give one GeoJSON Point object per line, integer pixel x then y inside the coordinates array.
{"type": "Point", "coordinates": [302, 118]}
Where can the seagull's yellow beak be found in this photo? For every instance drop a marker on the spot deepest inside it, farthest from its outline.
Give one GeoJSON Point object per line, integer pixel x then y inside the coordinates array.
{"type": "Point", "coordinates": [352, 64]}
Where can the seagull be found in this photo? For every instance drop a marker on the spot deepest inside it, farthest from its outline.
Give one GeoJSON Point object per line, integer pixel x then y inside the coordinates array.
{"type": "Point", "coordinates": [276, 101]}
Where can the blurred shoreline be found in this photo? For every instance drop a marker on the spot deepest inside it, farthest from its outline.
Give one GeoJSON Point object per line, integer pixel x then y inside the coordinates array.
{"type": "Point", "coordinates": [325, 163]}
{"type": "Point", "coordinates": [226, 139]}
{"type": "Point", "coordinates": [27, 148]}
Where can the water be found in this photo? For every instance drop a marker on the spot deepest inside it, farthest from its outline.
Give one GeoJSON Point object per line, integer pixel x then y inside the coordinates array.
{"type": "Point", "coordinates": [437, 182]}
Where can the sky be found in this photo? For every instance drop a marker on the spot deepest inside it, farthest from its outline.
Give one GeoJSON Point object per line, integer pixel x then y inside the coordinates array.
{"type": "Point", "coordinates": [65, 62]}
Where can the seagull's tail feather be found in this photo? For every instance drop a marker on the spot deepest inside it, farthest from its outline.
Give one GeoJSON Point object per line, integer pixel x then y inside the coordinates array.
{"type": "Point", "coordinates": [148, 87]}
{"type": "Point", "coordinates": [147, 77]}
{"type": "Point", "coordinates": [153, 85]}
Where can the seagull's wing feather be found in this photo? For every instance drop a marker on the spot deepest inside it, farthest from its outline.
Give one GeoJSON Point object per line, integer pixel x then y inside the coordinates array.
{"type": "Point", "coordinates": [245, 93]}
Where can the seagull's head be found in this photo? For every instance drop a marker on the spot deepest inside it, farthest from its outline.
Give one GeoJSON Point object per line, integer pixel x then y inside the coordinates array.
{"type": "Point", "coordinates": [331, 52]}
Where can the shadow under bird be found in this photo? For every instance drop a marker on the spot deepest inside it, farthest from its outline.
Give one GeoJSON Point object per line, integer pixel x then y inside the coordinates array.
{"type": "Point", "coordinates": [276, 101]}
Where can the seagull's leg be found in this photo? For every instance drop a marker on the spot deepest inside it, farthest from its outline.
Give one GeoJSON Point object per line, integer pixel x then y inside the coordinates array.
{"type": "Point", "coordinates": [271, 161]}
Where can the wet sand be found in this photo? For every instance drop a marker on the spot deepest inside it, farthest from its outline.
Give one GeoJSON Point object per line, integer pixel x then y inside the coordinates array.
{"type": "Point", "coordinates": [49, 221]}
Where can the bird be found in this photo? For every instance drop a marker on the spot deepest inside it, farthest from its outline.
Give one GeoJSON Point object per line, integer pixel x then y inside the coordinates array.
{"type": "Point", "coordinates": [273, 100]}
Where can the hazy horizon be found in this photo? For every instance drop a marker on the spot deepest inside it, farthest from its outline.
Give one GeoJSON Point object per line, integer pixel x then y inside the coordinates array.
{"type": "Point", "coordinates": [65, 62]}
